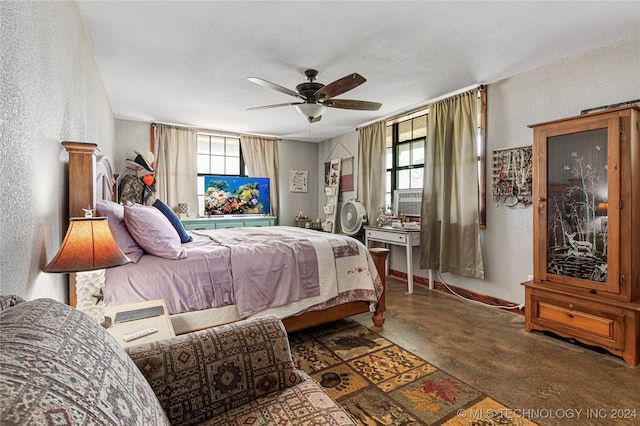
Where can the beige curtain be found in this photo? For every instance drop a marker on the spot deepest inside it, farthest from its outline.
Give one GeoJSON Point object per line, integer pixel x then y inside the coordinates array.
{"type": "Point", "coordinates": [372, 167]}
{"type": "Point", "coordinates": [261, 158]}
{"type": "Point", "coordinates": [450, 229]}
{"type": "Point", "coordinates": [176, 165]}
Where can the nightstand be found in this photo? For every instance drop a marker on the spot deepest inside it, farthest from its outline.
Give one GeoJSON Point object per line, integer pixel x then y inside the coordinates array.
{"type": "Point", "coordinates": [161, 322]}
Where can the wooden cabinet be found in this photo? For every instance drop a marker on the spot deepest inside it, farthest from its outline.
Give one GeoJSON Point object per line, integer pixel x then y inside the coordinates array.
{"type": "Point", "coordinates": [586, 225]}
{"type": "Point", "coordinates": [228, 222]}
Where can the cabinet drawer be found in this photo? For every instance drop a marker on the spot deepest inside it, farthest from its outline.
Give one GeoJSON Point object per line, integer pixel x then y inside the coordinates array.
{"type": "Point", "coordinates": [586, 323]}
{"type": "Point", "coordinates": [197, 225]}
{"type": "Point", "coordinates": [386, 237]}
{"type": "Point", "coordinates": [257, 222]}
{"type": "Point", "coordinates": [229, 224]}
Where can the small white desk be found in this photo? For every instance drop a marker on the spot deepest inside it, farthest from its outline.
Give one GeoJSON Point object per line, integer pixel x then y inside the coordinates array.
{"type": "Point", "coordinates": [401, 237]}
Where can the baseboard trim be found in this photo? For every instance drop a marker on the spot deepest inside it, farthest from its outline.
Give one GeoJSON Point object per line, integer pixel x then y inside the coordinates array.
{"type": "Point", "coordinates": [471, 295]}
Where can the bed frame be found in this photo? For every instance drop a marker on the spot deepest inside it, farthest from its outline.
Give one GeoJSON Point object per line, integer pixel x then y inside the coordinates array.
{"type": "Point", "coordinates": [91, 178]}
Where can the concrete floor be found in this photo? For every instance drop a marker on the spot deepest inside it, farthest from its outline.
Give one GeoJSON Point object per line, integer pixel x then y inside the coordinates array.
{"type": "Point", "coordinates": [556, 382]}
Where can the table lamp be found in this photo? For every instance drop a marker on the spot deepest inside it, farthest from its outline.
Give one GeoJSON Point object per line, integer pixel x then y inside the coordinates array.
{"type": "Point", "coordinates": [88, 248]}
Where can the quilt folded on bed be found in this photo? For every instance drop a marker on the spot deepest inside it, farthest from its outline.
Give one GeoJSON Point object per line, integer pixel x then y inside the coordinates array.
{"type": "Point", "coordinates": [268, 270]}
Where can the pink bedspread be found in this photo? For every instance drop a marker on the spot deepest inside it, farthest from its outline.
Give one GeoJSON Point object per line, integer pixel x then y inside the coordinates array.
{"type": "Point", "coordinates": [254, 268]}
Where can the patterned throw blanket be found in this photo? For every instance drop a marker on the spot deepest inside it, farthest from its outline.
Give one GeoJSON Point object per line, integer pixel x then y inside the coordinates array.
{"type": "Point", "coordinates": [268, 269]}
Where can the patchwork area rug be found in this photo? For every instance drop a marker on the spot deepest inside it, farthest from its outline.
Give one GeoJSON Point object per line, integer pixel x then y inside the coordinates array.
{"type": "Point", "coordinates": [380, 383]}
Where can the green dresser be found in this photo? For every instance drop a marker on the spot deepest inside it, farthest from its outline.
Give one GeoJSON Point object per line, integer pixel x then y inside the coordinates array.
{"type": "Point", "coordinates": [228, 222]}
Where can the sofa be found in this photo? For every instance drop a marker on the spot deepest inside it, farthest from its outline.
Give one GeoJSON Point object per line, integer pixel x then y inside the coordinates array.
{"type": "Point", "coordinates": [57, 366]}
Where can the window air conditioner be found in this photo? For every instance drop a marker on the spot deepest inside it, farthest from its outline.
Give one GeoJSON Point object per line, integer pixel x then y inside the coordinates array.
{"type": "Point", "coordinates": [407, 202]}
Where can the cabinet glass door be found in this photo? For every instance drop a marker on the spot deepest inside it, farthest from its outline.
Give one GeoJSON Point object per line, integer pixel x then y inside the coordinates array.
{"type": "Point", "coordinates": [577, 207]}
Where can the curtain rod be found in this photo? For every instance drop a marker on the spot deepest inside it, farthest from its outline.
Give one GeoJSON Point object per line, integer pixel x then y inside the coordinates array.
{"type": "Point", "coordinates": [216, 132]}
{"type": "Point", "coordinates": [396, 115]}
{"type": "Point", "coordinates": [153, 123]}
{"type": "Point", "coordinates": [233, 134]}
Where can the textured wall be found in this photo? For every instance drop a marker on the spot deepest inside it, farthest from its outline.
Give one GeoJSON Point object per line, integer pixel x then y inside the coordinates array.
{"type": "Point", "coordinates": [297, 155]}
{"type": "Point", "coordinates": [130, 136]}
{"type": "Point", "coordinates": [51, 92]}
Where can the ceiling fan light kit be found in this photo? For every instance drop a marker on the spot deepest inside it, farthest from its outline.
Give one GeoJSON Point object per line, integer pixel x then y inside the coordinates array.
{"type": "Point", "coordinates": [311, 111]}
{"type": "Point", "coordinates": [317, 97]}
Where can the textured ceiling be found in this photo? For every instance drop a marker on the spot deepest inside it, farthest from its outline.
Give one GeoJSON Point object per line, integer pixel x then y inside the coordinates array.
{"type": "Point", "coordinates": [187, 62]}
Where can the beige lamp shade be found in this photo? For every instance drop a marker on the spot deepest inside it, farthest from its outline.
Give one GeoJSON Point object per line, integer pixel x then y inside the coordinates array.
{"type": "Point", "coordinates": [87, 246]}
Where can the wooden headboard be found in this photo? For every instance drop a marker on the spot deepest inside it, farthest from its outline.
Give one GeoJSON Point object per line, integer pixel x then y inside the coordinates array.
{"type": "Point", "coordinates": [91, 179]}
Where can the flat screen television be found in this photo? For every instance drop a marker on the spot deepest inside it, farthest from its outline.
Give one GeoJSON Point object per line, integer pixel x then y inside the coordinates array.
{"type": "Point", "coordinates": [236, 195]}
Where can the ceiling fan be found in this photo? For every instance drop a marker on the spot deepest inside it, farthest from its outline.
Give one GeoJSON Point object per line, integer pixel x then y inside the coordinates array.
{"type": "Point", "coordinates": [315, 97]}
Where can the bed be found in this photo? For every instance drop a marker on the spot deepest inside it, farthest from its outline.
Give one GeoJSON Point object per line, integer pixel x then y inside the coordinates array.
{"type": "Point", "coordinates": [323, 277]}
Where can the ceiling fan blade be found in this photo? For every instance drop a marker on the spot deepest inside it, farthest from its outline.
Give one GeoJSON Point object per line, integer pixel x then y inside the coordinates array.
{"type": "Point", "coordinates": [340, 86]}
{"type": "Point", "coordinates": [351, 104]}
{"type": "Point", "coordinates": [277, 87]}
{"type": "Point", "coordinates": [276, 105]}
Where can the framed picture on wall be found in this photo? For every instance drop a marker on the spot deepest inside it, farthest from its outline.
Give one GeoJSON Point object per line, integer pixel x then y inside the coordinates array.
{"type": "Point", "coordinates": [346, 178]}
{"type": "Point", "coordinates": [298, 180]}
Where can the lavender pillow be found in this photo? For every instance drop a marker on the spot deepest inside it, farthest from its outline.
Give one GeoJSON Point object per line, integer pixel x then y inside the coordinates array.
{"type": "Point", "coordinates": [153, 231]}
{"type": "Point", "coordinates": [114, 213]}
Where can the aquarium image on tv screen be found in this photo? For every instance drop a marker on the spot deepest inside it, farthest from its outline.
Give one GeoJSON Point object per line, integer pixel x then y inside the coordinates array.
{"type": "Point", "coordinates": [236, 195]}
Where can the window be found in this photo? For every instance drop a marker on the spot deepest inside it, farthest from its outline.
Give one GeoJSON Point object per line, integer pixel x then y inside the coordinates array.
{"type": "Point", "coordinates": [405, 153]}
{"type": "Point", "coordinates": [217, 155]}
{"type": "Point", "coordinates": [405, 139]}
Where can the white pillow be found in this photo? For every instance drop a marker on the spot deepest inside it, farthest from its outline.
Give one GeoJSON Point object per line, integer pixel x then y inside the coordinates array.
{"type": "Point", "coordinates": [153, 231]}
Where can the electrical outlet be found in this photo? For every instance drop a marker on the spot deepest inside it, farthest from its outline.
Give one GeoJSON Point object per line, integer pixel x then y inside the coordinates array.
{"type": "Point", "coordinates": [529, 277]}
